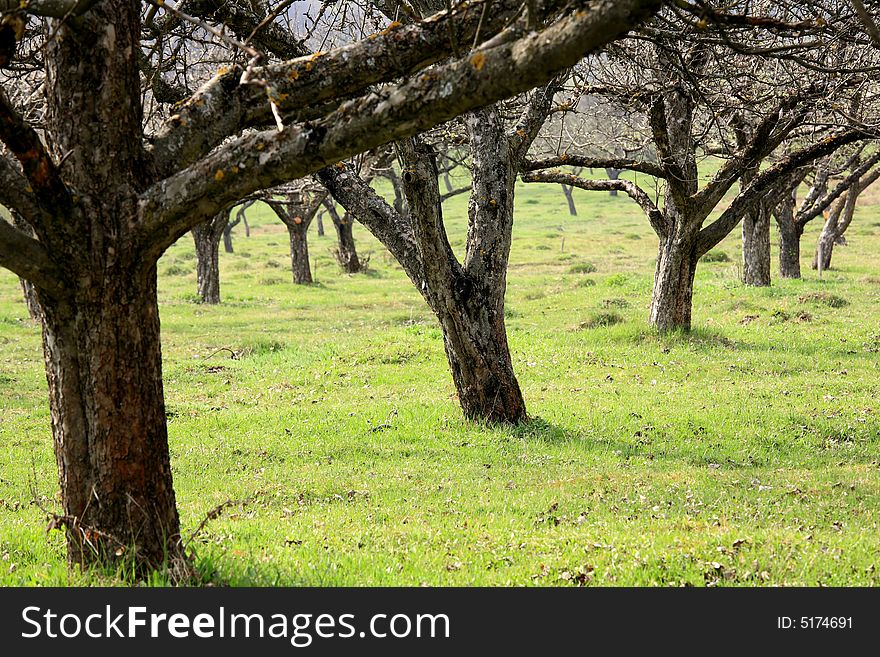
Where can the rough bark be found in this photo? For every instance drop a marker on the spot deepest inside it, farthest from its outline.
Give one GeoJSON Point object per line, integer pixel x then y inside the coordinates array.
{"type": "Point", "coordinates": [756, 245]}
{"type": "Point", "coordinates": [207, 238]}
{"type": "Point", "coordinates": [103, 364]}
{"type": "Point", "coordinates": [790, 230]}
{"type": "Point", "coordinates": [299, 253]}
{"type": "Point", "coordinates": [468, 300]}
{"type": "Point", "coordinates": [297, 212]}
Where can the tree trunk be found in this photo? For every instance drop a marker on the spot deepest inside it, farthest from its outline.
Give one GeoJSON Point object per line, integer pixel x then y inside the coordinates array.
{"type": "Point", "coordinates": [207, 238]}
{"type": "Point", "coordinates": [346, 253]}
{"type": "Point", "coordinates": [30, 295]}
{"type": "Point", "coordinates": [613, 174]}
{"type": "Point", "coordinates": [569, 197]}
{"type": "Point", "coordinates": [30, 300]}
{"type": "Point", "coordinates": [475, 341]}
{"type": "Point", "coordinates": [299, 252]}
{"type": "Point", "coordinates": [756, 245]}
{"type": "Point", "coordinates": [839, 219]}
{"type": "Point", "coordinates": [469, 299]}
{"type": "Point", "coordinates": [227, 235]}
{"type": "Point", "coordinates": [790, 250]}
{"type": "Point", "coordinates": [319, 220]}
{"type": "Point", "coordinates": [103, 364]}
{"type": "Point", "coordinates": [101, 335]}
{"type": "Point", "coordinates": [790, 233]}
{"type": "Point", "coordinates": [672, 298]}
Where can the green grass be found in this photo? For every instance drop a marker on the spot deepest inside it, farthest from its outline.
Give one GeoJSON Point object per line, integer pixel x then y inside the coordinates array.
{"type": "Point", "coordinates": [744, 453]}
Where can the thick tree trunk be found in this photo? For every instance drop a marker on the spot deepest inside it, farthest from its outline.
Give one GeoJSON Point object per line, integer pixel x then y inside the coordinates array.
{"type": "Point", "coordinates": [207, 238]}
{"type": "Point", "coordinates": [101, 335]}
{"type": "Point", "coordinates": [103, 364]}
{"type": "Point", "coordinates": [299, 252]}
{"type": "Point", "coordinates": [790, 233]}
{"type": "Point", "coordinates": [346, 253]}
{"type": "Point", "coordinates": [673, 294]}
{"type": "Point", "coordinates": [756, 246]}
{"type": "Point", "coordinates": [475, 340]}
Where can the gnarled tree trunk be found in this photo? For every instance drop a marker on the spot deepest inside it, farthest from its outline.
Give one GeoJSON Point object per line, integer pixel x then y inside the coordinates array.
{"type": "Point", "coordinates": [101, 334]}
{"type": "Point", "coordinates": [468, 300]}
{"type": "Point", "coordinates": [790, 233]}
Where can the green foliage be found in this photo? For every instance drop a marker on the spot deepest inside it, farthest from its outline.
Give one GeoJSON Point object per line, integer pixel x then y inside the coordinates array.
{"type": "Point", "coordinates": [736, 454]}
{"type": "Point", "coordinates": [583, 268]}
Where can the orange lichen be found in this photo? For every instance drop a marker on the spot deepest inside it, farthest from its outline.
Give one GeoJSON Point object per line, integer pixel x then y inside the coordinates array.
{"type": "Point", "coordinates": [478, 61]}
{"type": "Point", "coordinates": [219, 175]}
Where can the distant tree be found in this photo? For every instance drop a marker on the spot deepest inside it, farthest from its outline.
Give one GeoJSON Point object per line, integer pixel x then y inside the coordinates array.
{"type": "Point", "coordinates": [207, 236]}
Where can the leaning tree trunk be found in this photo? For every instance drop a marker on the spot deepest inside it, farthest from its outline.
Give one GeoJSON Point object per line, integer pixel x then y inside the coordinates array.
{"type": "Point", "coordinates": [839, 219]}
{"type": "Point", "coordinates": [30, 300]}
{"type": "Point", "coordinates": [299, 251]}
{"type": "Point", "coordinates": [103, 364]}
{"type": "Point", "coordinates": [207, 238]}
{"type": "Point", "coordinates": [672, 297]}
{"type": "Point", "coordinates": [756, 245]}
{"type": "Point", "coordinates": [475, 341]}
{"type": "Point", "coordinates": [567, 190]}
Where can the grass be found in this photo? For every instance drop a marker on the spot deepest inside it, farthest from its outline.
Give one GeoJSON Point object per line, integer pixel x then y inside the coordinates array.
{"type": "Point", "coordinates": [743, 453]}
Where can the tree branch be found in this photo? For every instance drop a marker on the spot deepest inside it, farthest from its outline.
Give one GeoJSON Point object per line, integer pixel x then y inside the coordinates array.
{"type": "Point", "coordinates": [636, 193]}
{"type": "Point", "coordinates": [567, 159]}
{"type": "Point", "coordinates": [48, 8]}
{"type": "Point", "coordinates": [712, 234]}
{"type": "Point", "coordinates": [28, 258]}
{"type": "Point", "coordinates": [265, 159]}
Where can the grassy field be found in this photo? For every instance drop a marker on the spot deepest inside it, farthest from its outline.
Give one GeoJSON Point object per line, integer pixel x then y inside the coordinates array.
{"type": "Point", "coordinates": [745, 453]}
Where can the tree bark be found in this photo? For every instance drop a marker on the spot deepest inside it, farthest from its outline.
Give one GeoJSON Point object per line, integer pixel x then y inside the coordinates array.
{"type": "Point", "coordinates": [207, 238]}
{"type": "Point", "coordinates": [299, 252]}
{"type": "Point", "coordinates": [469, 300]}
{"type": "Point", "coordinates": [756, 245]}
{"type": "Point", "coordinates": [346, 253]}
{"type": "Point", "coordinates": [790, 250]}
{"type": "Point", "coordinates": [790, 233]}
{"type": "Point", "coordinates": [103, 364]}
{"type": "Point", "coordinates": [672, 297]}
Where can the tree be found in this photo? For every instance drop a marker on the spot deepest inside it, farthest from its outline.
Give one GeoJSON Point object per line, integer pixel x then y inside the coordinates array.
{"type": "Point", "coordinates": [106, 194]}
{"type": "Point", "coordinates": [207, 236]}
{"type": "Point", "coordinates": [687, 82]}
{"type": "Point", "coordinates": [301, 202]}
